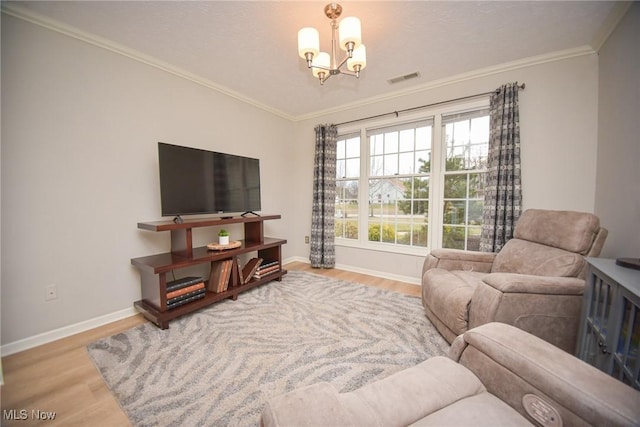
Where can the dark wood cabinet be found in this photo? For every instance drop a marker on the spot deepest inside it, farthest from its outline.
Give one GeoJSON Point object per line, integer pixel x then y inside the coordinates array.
{"type": "Point", "coordinates": [154, 269]}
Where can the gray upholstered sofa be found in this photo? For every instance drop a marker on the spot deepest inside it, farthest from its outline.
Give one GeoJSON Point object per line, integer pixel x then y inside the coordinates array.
{"type": "Point", "coordinates": [496, 375]}
{"type": "Point", "coordinates": [535, 282]}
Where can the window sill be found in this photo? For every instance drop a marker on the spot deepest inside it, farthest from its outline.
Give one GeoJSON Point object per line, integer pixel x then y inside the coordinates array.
{"type": "Point", "coordinates": [382, 247]}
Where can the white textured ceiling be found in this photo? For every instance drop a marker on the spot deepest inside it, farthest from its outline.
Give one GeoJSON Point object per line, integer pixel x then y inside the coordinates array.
{"type": "Point", "coordinates": [249, 48]}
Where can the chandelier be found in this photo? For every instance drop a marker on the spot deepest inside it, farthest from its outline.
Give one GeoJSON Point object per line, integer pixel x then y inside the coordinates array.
{"type": "Point", "coordinates": [349, 38]}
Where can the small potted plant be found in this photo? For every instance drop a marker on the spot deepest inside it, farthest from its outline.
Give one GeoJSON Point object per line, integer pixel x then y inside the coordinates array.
{"type": "Point", "coordinates": [223, 237]}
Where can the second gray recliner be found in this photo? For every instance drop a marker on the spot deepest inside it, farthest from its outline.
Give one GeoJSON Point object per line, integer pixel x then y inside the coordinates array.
{"type": "Point", "coordinates": [535, 282]}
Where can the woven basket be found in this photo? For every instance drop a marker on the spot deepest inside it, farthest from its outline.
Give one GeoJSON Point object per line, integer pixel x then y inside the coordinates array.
{"type": "Point", "coordinates": [218, 247]}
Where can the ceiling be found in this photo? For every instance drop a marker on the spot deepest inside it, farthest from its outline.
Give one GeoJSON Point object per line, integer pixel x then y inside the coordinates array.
{"type": "Point", "coordinates": [249, 48]}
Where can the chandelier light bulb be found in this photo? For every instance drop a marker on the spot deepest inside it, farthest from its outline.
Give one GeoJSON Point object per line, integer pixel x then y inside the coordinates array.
{"type": "Point", "coordinates": [322, 60]}
{"type": "Point", "coordinates": [350, 33]}
{"type": "Point", "coordinates": [308, 43]}
{"type": "Point", "coordinates": [358, 61]}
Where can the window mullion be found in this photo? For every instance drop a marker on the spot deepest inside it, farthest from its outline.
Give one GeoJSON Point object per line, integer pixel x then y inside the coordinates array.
{"type": "Point", "coordinates": [363, 195]}
{"type": "Point", "coordinates": [436, 193]}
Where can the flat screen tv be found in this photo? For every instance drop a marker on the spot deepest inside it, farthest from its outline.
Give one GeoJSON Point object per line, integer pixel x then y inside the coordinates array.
{"type": "Point", "coordinates": [195, 181]}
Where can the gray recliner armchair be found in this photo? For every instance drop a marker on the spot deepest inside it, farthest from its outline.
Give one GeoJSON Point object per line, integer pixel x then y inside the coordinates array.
{"type": "Point", "coordinates": [535, 282]}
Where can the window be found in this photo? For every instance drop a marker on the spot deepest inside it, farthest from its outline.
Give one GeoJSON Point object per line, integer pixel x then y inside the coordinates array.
{"type": "Point", "coordinates": [413, 184]}
{"type": "Point", "coordinates": [466, 138]}
{"type": "Point", "coordinates": [347, 183]}
{"type": "Point", "coordinates": [398, 186]}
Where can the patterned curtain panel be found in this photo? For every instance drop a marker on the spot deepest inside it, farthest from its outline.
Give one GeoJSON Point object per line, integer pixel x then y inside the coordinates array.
{"type": "Point", "coordinates": [503, 195]}
{"type": "Point", "coordinates": [323, 253]}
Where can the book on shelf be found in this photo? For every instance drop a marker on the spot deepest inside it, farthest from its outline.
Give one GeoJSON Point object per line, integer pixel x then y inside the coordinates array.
{"type": "Point", "coordinates": [189, 295]}
{"type": "Point", "coordinates": [260, 275]}
{"type": "Point", "coordinates": [267, 265]}
{"type": "Point", "coordinates": [214, 277]}
{"type": "Point", "coordinates": [220, 274]}
{"type": "Point", "coordinates": [186, 300]}
{"type": "Point", "coordinates": [224, 280]}
{"type": "Point", "coordinates": [266, 269]}
{"type": "Point", "coordinates": [249, 269]}
{"type": "Point", "coordinates": [186, 290]}
{"type": "Point", "coordinates": [240, 272]}
{"type": "Point", "coordinates": [174, 285]}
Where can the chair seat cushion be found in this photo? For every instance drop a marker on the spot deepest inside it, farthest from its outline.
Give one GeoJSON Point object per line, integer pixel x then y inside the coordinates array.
{"type": "Point", "coordinates": [448, 294]}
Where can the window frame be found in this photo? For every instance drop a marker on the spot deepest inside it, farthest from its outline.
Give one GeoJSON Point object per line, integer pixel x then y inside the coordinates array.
{"type": "Point", "coordinates": [436, 175]}
{"type": "Point", "coordinates": [346, 178]}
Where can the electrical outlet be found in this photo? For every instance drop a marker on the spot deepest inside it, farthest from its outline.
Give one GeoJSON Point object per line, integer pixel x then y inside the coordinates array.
{"type": "Point", "coordinates": [306, 239]}
{"type": "Point", "coordinates": [51, 292]}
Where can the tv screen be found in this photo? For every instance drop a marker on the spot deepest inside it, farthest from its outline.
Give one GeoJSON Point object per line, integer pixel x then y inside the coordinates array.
{"type": "Point", "coordinates": [195, 181]}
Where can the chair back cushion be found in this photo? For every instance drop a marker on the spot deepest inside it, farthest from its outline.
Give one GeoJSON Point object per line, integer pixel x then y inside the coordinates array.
{"type": "Point", "coordinates": [523, 257]}
{"type": "Point", "coordinates": [568, 230]}
{"type": "Point", "coordinates": [549, 243]}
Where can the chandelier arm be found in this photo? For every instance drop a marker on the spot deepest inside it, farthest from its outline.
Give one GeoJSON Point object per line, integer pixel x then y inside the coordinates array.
{"type": "Point", "coordinates": [344, 61]}
{"type": "Point", "coordinates": [322, 67]}
{"type": "Point", "coordinates": [336, 68]}
{"type": "Point", "coordinates": [349, 73]}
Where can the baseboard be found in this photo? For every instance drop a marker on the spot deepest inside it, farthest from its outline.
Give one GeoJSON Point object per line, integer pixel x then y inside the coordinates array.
{"type": "Point", "coordinates": [368, 272]}
{"type": "Point", "coordinates": [66, 331]}
{"type": "Point", "coordinates": [383, 274]}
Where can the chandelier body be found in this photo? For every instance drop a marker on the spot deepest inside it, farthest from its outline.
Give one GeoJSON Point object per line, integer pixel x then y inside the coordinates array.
{"type": "Point", "coordinates": [346, 35]}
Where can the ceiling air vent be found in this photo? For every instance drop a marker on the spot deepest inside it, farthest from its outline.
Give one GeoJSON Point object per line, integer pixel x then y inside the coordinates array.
{"type": "Point", "coordinates": [403, 78]}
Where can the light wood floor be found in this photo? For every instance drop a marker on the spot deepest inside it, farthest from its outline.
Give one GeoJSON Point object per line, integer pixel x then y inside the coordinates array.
{"type": "Point", "coordinates": [59, 377]}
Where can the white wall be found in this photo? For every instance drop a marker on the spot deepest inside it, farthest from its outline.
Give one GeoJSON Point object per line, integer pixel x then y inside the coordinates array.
{"type": "Point", "coordinates": [80, 128]}
{"type": "Point", "coordinates": [618, 178]}
{"type": "Point", "coordinates": [558, 116]}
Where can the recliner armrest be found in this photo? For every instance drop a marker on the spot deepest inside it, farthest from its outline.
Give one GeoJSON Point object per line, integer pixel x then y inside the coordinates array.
{"type": "Point", "coordinates": [397, 400]}
{"type": "Point", "coordinates": [511, 363]}
{"type": "Point", "coordinates": [312, 405]}
{"type": "Point", "coordinates": [547, 307]}
{"type": "Point", "coordinates": [524, 283]}
{"type": "Point", "coordinates": [456, 259]}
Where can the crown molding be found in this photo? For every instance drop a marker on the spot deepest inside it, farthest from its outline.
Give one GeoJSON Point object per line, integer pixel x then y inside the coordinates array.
{"type": "Point", "coordinates": [67, 30]}
{"type": "Point", "coordinates": [483, 72]}
{"type": "Point", "coordinates": [610, 24]}
{"type": "Point", "coordinates": [48, 23]}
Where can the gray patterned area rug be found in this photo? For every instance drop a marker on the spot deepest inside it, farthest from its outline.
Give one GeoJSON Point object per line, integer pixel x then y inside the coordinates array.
{"type": "Point", "coordinates": [219, 365]}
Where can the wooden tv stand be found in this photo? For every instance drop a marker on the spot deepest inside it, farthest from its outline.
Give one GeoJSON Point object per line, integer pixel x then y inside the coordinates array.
{"type": "Point", "coordinates": [154, 268]}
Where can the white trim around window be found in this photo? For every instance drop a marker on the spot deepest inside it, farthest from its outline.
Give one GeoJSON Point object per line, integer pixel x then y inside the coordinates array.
{"type": "Point", "coordinates": [436, 180]}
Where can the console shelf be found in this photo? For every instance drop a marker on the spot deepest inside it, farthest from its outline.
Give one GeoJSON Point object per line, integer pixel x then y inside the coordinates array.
{"type": "Point", "coordinates": [154, 268]}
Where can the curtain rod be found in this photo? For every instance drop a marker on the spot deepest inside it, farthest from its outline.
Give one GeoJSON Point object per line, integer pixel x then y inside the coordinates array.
{"type": "Point", "coordinates": [397, 113]}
